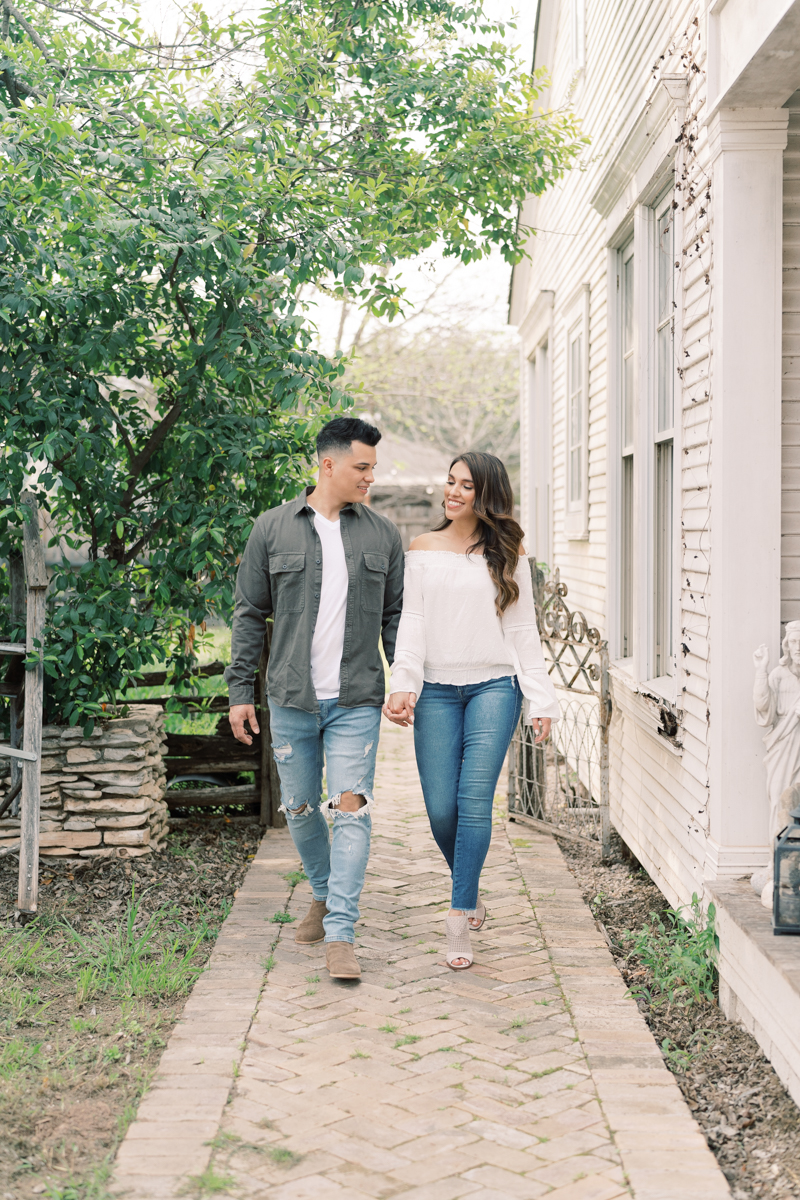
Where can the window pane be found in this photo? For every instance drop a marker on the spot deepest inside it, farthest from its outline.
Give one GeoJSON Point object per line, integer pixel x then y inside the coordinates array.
{"type": "Point", "coordinates": [663, 561]}
{"type": "Point", "coordinates": [664, 256]}
{"type": "Point", "coordinates": [665, 377]}
{"type": "Point", "coordinates": [575, 365]}
{"type": "Point", "coordinates": [575, 419]}
{"type": "Point", "coordinates": [626, 559]}
{"type": "Point", "coordinates": [627, 401]}
{"type": "Point", "coordinates": [575, 475]}
{"type": "Point", "coordinates": [627, 305]}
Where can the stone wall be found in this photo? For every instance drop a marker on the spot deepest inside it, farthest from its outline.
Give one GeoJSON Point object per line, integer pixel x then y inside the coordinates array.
{"type": "Point", "coordinates": [102, 796]}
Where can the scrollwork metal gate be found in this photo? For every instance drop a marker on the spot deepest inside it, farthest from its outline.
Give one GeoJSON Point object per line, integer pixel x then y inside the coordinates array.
{"type": "Point", "coordinates": [562, 786]}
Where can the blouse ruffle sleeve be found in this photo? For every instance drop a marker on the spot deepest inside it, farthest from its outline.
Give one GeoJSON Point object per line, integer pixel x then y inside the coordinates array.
{"type": "Point", "coordinates": [521, 635]}
{"type": "Point", "coordinates": [409, 654]}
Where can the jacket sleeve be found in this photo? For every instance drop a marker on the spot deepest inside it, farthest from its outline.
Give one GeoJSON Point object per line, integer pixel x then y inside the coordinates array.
{"type": "Point", "coordinates": [392, 597]}
{"type": "Point", "coordinates": [253, 606]}
{"type": "Point", "coordinates": [521, 635]}
{"type": "Point", "coordinates": [409, 658]}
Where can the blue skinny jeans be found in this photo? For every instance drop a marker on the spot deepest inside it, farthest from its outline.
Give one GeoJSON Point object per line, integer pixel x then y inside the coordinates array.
{"type": "Point", "coordinates": [461, 736]}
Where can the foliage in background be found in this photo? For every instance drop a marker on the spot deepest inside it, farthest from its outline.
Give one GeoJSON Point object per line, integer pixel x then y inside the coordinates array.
{"type": "Point", "coordinates": [456, 388]}
{"type": "Point", "coordinates": [160, 209]}
{"type": "Point", "coordinates": [681, 954]}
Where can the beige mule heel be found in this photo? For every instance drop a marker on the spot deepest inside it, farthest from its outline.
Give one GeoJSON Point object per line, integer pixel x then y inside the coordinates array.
{"type": "Point", "coordinates": [458, 944]}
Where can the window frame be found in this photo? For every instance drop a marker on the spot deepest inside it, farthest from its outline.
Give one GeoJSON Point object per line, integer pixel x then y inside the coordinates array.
{"type": "Point", "coordinates": [662, 575]}
{"type": "Point", "coordinates": [576, 384]}
{"type": "Point", "coordinates": [641, 664]}
{"type": "Point", "coordinates": [626, 447]}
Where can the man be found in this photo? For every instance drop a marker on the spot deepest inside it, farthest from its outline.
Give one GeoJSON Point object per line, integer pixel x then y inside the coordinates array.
{"type": "Point", "coordinates": [329, 571]}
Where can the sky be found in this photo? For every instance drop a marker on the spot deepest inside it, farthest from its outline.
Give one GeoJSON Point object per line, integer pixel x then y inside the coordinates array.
{"type": "Point", "coordinates": [479, 292]}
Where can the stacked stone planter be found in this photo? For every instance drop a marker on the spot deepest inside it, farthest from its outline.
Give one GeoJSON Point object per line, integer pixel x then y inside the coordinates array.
{"type": "Point", "coordinates": [102, 796]}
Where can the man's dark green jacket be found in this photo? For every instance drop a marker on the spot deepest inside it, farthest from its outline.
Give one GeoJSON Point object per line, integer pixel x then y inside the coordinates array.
{"type": "Point", "coordinates": [280, 575]}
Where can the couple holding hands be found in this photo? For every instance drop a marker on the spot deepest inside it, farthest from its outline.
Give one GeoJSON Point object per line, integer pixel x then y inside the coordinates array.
{"type": "Point", "coordinates": [458, 624]}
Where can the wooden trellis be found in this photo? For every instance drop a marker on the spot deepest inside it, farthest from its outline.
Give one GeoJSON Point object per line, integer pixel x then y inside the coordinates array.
{"type": "Point", "coordinates": [25, 685]}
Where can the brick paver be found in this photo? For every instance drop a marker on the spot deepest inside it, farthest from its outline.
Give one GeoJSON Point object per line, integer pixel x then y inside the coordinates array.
{"type": "Point", "coordinates": [531, 1074]}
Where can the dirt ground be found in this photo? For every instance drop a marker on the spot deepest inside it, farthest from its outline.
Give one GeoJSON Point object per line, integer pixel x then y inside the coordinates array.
{"type": "Point", "coordinates": [750, 1121]}
{"type": "Point", "coordinates": [89, 993]}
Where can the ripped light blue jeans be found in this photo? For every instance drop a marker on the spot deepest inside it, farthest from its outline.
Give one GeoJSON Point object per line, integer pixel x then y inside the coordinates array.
{"type": "Point", "coordinates": [347, 738]}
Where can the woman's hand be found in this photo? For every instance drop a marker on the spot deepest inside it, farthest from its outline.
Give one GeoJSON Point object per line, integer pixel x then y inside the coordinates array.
{"type": "Point", "coordinates": [541, 727]}
{"type": "Point", "coordinates": [399, 708]}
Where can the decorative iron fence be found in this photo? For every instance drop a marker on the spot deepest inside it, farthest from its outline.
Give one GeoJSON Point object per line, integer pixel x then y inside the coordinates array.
{"type": "Point", "coordinates": [561, 786]}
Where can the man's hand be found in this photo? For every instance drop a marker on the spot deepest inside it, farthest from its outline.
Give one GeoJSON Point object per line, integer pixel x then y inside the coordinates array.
{"type": "Point", "coordinates": [399, 708]}
{"type": "Point", "coordinates": [239, 713]}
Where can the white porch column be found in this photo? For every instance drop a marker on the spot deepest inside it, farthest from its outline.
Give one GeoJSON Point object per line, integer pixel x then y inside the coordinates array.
{"type": "Point", "coordinates": [747, 194]}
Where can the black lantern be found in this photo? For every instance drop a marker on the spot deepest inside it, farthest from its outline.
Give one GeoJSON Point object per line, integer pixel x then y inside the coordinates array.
{"type": "Point", "coordinates": [786, 887]}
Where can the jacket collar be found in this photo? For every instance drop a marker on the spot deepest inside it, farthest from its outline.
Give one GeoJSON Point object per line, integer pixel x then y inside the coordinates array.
{"type": "Point", "coordinates": [301, 504]}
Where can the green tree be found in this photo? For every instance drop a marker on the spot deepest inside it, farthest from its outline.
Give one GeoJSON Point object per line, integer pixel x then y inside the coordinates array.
{"type": "Point", "coordinates": [160, 209]}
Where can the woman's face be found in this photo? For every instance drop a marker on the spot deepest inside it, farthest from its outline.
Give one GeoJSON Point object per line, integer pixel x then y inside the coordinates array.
{"type": "Point", "coordinates": [459, 494]}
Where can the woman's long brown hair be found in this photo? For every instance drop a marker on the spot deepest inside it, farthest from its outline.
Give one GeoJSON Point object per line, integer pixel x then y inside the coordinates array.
{"type": "Point", "coordinates": [498, 536]}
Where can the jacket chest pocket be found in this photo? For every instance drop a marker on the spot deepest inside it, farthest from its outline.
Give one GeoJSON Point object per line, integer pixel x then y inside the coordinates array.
{"type": "Point", "coordinates": [287, 577]}
{"type": "Point", "coordinates": [373, 581]}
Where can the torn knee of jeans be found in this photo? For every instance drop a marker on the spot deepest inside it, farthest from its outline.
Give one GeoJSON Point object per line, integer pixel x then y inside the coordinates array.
{"type": "Point", "coordinates": [282, 753]}
{"type": "Point", "coordinates": [333, 803]}
{"type": "Point", "coordinates": [291, 809]}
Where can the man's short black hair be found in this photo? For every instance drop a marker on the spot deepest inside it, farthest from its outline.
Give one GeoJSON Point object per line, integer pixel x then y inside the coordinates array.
{"type": "Point", "coordinates": [338, 435]}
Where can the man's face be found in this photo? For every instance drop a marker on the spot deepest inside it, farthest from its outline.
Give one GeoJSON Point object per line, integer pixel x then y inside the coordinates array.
{"type": "Point", "coordinates": [350, 474]}
{"type": "Point", "coordinates": [793, 642]}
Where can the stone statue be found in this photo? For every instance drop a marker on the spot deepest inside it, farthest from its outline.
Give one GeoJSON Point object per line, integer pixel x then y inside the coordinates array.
{"type": "Point", "coordinates": [776, 695]}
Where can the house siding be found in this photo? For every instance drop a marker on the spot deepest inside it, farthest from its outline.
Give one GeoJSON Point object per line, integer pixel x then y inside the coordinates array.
{"type": "Point", "coordinates": [658, 793]}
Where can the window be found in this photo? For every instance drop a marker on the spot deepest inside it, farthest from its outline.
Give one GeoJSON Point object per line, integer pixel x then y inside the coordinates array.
{"type": "Point", "coordinates": [626, 426]}
{"type": "Point", "coordinates": [578, 34]}
{"type": "Point", "coordinates": [540, 464]}
{"type": "Point", "coordinates": [663, 439]}
{"type": "Point", "coordinates": [575, 432]}
{"type": "Point", "coordinates": [576, 415]}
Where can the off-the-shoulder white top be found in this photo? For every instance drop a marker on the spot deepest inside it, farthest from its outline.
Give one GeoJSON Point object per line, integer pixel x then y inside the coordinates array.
{"type": "Point", "coordinates": [450, 631]}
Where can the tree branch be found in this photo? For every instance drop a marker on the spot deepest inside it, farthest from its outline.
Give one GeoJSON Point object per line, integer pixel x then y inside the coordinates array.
{"type": "Point", "coordinates": [151, 446]}
{"type": "Point", "coordinates": [32, 34]}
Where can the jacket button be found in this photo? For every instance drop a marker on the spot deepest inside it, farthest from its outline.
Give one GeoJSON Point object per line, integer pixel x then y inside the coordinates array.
{"type": "Point", "coordinates": [316, 595]}
{"type": "Point", "coordinates": [283, 567]}
{"type": "Point", "coordinates": [319, 560]}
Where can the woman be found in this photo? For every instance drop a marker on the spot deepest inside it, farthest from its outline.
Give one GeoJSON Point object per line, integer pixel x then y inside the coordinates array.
{"type": "Point", "coordinates": [467, 652]}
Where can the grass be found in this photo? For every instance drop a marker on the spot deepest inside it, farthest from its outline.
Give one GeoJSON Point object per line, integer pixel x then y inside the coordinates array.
{"type": "Point", "coordinates": [293, 878]}
{"type": "Point", "coordinates": [209, 1183]}
{"type": "Point", "coordinates": [281, 918]}
{"type": "Point", "coordinates": [387, 1028]}
{"type": "Point", "coordinates": [283, 1157]}
{"type": "Point", "coordinates": [140, 958]}
{"type": "Point", "coordinates": [408, 1040]}
{"type": "Point", "coordinates": [88, 996]}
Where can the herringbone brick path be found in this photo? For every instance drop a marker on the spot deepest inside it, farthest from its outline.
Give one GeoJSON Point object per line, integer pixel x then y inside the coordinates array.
{"type": "Point", "coordinates": [428, 1084]}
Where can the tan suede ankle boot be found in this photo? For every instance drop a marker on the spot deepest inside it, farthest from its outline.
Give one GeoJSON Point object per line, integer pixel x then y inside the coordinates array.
{"type": "Point", "coordinates": [311, 930]}
{"type": "Point", "coordinates": [341, 960]}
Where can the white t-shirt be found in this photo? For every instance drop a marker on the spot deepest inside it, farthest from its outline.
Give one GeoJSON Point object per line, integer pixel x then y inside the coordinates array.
{"type": "Point", "coordinates": [327, 644]}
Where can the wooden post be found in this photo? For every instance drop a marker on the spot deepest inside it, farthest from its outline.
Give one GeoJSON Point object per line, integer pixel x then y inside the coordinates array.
{"type": "Point", "coordinates": [36, 576]}
{"type": "Point", "coordinates": [17, 581]}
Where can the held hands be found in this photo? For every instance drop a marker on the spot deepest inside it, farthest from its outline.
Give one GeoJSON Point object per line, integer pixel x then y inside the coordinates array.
{"type": "Point", "coordinates": [239, 713]}
{"type": "Point", "coordinates": [399, 708]}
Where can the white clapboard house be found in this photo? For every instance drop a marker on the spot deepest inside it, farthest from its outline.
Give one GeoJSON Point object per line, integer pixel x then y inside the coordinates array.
{"type": "Point", "coordinates": [660, 322]}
